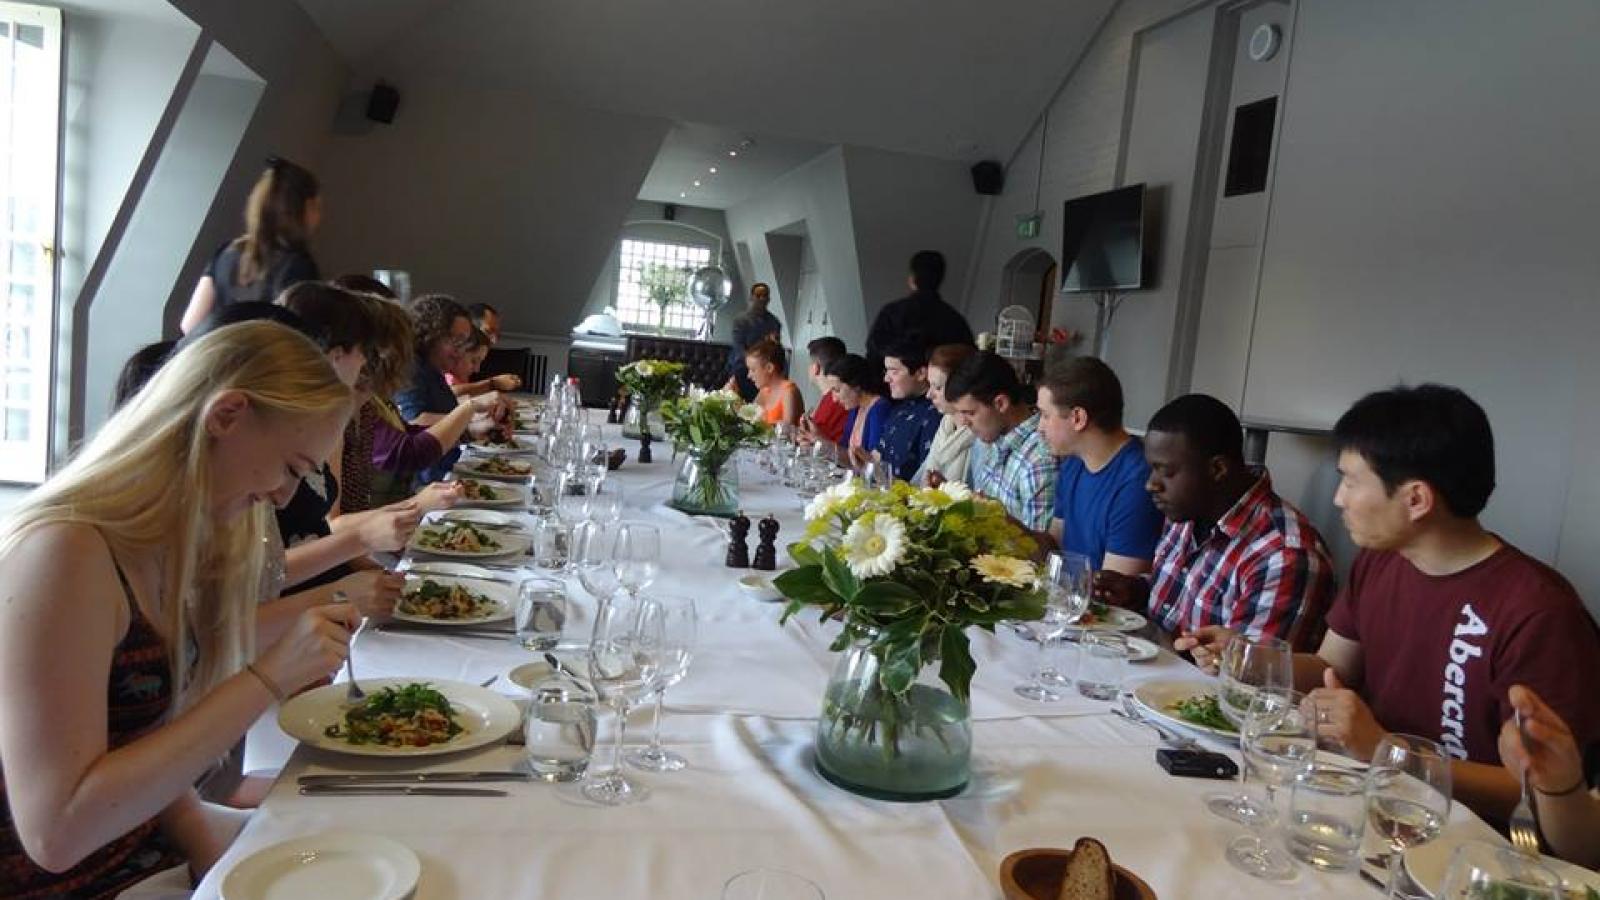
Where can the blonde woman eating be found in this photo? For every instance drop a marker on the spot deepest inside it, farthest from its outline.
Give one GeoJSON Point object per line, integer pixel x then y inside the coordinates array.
{"type": "Point", "coordinates": [128, 590]}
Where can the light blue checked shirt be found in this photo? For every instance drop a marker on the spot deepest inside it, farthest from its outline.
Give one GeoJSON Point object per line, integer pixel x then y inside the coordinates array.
{"type": "Point", "coordinates": [1019, 471]}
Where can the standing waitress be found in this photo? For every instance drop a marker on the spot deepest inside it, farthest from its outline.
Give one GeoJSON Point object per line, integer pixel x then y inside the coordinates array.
{"type": "Point", "coordinates": [284, 210]}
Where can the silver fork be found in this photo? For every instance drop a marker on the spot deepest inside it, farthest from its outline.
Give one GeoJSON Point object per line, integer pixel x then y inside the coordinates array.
{"type": "Point", "coordinates": [1524, 826]}
{"type": "Point", "coordinates": [352, 692]}
{"type": "Point", "coordinates": [1132, 714]}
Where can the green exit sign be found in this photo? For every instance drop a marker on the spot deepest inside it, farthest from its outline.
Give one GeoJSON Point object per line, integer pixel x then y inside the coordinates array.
{"type": "Point", "coordinates": [1028, 225]}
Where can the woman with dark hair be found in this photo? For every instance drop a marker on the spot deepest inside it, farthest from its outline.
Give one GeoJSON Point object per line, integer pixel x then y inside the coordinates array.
{"type": "Point", "coordinates": [443, 331]}
{"type": "Point", "coordinates": [284, 210]}
{"type": "Point", "coordinates": [856, 384]}
{"type": "Point", "coordinates": [777, 396]}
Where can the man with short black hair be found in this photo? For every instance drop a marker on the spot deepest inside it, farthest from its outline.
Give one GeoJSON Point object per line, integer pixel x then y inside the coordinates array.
{"type": "Point", "coordinates": [922, 316]}
{"type": "Point", "coordinates": [1102, 509]}
{"type": "Point", "coordinates": [1012, 462]}
{"type": "Point", "coordinates": [914, 420]}
{"type": "Point", "coordinates": [826, 422]}
{"type": "Point", "coordinates": [487, 320]}
{"type": "Point", "coordinates": [1235, 553]}
{"type": "Point", "coordinates": [750, 328]}
{"type": "Point", "coordinates": [1440, 617]}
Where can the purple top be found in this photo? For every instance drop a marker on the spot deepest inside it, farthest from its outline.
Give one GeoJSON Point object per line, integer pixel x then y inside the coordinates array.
{"type": "Point", "coordinates": [409, 450]}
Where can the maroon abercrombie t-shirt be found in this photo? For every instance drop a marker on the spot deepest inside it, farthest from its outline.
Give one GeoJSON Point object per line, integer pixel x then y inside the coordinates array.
{"type": "Point", "coordinates": [1440, 654]}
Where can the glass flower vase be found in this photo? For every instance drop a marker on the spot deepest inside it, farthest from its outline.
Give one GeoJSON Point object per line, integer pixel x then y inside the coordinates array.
{"type": "Point", "coordinates": [905, 747]}
{"type": "Point", "coordinates": [706, 485]}
{"type": "Point", "coordinates": [639, 415]}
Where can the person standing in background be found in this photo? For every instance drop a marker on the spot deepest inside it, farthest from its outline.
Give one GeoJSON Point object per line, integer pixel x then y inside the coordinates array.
{"type": "Point", "coordinates": [752, 327]}
{"type": "Point", "coordinates": [922, 316]}
{"type": "Point", "coordinates": [487, 320]}
{"type": "Point", "coordinates": [283, 212]}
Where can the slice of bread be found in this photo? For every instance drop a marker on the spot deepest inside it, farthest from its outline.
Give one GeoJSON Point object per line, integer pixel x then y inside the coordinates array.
{"type": "Point", "coordinates": [1088, 875]}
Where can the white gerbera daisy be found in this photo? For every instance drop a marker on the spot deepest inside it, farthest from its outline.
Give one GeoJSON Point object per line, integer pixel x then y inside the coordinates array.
{"type": "Point", "coordinates": [957, 491]}
{"type": "Point", "coordinates": [874, 545]}
{"type": "Point", "coordinates": [1004, 570]}
{"type": "Point", "coordinates": [823, 503]}
{"type": "Point", "coordinates": [750, 412]}
{"type": "Point", "coordinates": [646, 369]}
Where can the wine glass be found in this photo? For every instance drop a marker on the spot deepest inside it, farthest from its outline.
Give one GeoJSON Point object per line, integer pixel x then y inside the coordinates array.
{"type": "Point", "coordinates": [1408, 795]}
{"type": "Point", "coordinates": [1479, 869]}
{"type": "Point", "coordinates": [1278, 742]}
{"type": "Point", "coordinates": [672, 664]}
{"type": "Point", "coordinates": [592, 545]}
{"type": "Point", "coordinates": [1248, 665]}
{"type": "Point", "coordinates": [770, 884]}
{"type": "Point", "coordinates": [605, 502]}
{"type": "Point", "coordinates": [1072, 573]}
{"type": "Point", "coordinates": [637, 556]}
{"type": "Point", "coordinates": [622, 668]}
{"type": "Point", "coordinates": [1066, 590]}
{"type": "Point", "coordinates": [572, 501]}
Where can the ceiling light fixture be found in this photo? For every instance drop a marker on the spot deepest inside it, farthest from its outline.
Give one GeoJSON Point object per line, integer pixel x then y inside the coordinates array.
{"type": "Point", "coordinates": [682, 194]}
{"type": "Point", "coordinates": [697, 184]}
{"type": "Point", "coordinates": [713, 170]}
{"type": "Point", "coordinates": [733, 153]}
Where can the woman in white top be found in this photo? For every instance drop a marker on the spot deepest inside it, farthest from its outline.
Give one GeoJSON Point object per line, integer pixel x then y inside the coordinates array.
{"type": "Point", "coordinates": [947, 457]}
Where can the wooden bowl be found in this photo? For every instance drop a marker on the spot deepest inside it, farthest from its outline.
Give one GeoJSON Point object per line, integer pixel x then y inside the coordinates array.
{"type": "Point", "coordinates": [1036, 874]}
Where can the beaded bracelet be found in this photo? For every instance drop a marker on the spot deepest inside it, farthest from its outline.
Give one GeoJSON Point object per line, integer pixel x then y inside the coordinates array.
{"type": "Point", "coordinates": [265, 682]}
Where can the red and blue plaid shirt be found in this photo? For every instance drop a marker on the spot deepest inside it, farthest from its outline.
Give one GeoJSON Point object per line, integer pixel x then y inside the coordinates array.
{"type": "Point", "coordinates": [1262, 570]}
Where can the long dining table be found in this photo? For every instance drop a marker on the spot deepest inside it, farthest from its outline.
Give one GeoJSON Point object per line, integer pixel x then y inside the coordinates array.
{"type": "Point", "coordinates": [1043, 774]}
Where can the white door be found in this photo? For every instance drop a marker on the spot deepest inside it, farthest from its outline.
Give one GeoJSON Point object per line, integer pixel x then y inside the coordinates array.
{"type": "Point", "coordinates": [30, 82]}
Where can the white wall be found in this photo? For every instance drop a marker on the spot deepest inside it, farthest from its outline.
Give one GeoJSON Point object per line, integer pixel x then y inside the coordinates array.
{"type": "Point", "coordinates": [492, 196]}
{"type": "Point", "coordinates": [1431, 217]}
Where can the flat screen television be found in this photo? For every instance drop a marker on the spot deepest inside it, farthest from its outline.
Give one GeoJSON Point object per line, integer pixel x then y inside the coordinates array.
{"type": "Point", "coordinates": [1103, 242]}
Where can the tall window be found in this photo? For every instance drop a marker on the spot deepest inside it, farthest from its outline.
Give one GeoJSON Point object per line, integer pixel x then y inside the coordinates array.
{"type": "Point", "coordinates": [30, 85]}
{"type": "Point", "coordinates": [636, 310]}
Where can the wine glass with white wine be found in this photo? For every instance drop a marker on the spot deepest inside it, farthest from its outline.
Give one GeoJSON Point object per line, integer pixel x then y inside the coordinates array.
{"type": "Point", "coordinates": [1408, 795]}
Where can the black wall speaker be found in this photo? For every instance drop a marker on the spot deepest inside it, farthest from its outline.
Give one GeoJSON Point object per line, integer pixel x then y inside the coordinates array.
{"type": "Point", "coordinates": [988, 177]}
{"type": "Point", "coordinates": [669, 211]}
{"type": "Point", "coordinates": [382, 103]}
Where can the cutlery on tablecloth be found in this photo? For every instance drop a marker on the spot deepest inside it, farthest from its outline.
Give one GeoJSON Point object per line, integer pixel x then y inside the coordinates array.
{"type": "Point", "coordinates": [1132, 714]}
{"type": "Point", "coordinates": [398, 778]}
{"type": "Point", "coordinates": [395, 790]}
{"type": "Point", "coordinates": [412, 628]}
{"type": "Point", "coordinates": [1523, 829]}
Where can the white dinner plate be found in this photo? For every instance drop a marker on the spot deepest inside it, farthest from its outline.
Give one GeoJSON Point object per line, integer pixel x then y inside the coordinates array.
{"type": "Point", "coordinates": [505, 543]}
{"type": "Point", "coordinates": [474, 468]}
{"type": "Point", "coordinates": [1141, 650]}
{"type": "Point", "coordinates": [484, 716]}
{"type": "Point", "coordinates": [503, 494]}
{"type": "Point", "coordinates": [340, 864]}
{"type": "Point", "coordinates": [1428, 864]}
{"type": "Point", "coordinates": [503, 596]}
{"type": "Point", "coordinates": [478, 516]}
{"type": "Point", "coordinates": [517, 446]}
{"type": "Point", "coordinates": [1116, 619]}
{"type": "Point", "coordinates": [1155, 695]}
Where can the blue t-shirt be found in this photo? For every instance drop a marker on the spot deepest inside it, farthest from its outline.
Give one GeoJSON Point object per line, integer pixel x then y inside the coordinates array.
{"type": "Point", "coordinates": [1108, 511]}
{"type": "Point", "coordinates": [876, 416]}
{"type": "Point", "coordinates": [428, 392]}
{"type": "Point", "coordinates": [907, 435]}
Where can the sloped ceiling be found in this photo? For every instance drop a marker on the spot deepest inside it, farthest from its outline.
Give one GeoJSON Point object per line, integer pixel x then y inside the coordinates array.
{"type": "Point", "coordinates": [953, 79]}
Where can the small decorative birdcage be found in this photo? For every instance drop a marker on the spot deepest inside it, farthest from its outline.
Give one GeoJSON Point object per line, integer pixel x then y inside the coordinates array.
{"type": "Point", "coordinates": [1014, 333]}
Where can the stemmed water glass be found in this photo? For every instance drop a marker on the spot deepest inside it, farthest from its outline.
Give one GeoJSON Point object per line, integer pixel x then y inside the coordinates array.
{"type": "Point", "coordinates": [1480, 869]}
{"type": "Point", "coordinates": [637, 556]}
{"type": "Point", "coordinates": [622, 668]}
{"type": "Point", "coordinates": [572, 501]}
{"type": "Point", "coordinates": [592, 546]}
{"type": "Point", "coordinates": [605, 501]}
{"type": "Point", "coordinates": [1066, 583]}
{"type": "Point", "coordinates": [1408, 795]}
{"type": "Point", "coordinates": [1278, 742]}
{"type": "Point", "coordinates": [1249, 665]}
{"type": "Point", "coordinates": [673, 655]}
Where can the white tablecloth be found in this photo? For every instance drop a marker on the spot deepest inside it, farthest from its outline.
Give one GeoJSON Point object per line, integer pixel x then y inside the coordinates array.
{"type": "Point", "coordinates": [1043, 775]}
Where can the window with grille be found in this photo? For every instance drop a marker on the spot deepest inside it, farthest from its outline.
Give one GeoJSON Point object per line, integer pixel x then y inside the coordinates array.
{"type": "Point", "coordinates": [30, 85]}
{"type": "Point", "coordinates": [634, 307]}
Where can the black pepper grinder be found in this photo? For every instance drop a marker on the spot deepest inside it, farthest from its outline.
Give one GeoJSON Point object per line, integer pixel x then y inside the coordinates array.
{"type": "Point", "coordinates": [644, 446]}
{"type": "Point", "coordinates": [767, 552]}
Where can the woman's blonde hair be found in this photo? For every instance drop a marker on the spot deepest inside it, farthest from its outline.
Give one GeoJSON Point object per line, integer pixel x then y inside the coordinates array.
{"type": "Point", "coordinates": [144, 482]}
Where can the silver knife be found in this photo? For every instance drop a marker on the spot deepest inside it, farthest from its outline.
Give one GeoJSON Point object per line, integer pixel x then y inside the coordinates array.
{"type": "Point", "coordinates": [488, 633]}
{"type": "Point", "coordinates": [409, 777]}
{"type": "Point", "coordinates": [395, 790]}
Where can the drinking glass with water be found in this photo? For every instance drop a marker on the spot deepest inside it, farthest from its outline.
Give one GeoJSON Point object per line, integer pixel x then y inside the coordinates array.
{"type": "Point", "coordinates": [560, 730]}
{"type": "Point", "coordinates": [1102, 664]}
{"type": "Point", "coordinates": [1327, 817]}
{"type": "Point", "coordinates": [541, 613]}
